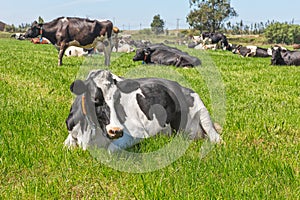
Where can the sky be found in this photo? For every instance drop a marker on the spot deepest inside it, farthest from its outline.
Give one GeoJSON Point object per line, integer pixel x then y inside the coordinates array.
{"type": "Point", "coordinates": [138, 14]}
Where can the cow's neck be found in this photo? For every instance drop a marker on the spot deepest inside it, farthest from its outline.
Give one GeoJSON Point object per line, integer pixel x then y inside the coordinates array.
{"type": "Point", "coordinates": [47, 31]}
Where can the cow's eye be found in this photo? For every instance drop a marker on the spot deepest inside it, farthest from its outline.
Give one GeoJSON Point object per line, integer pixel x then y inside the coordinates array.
{"type": "Point", "coordinates": [97, 101]}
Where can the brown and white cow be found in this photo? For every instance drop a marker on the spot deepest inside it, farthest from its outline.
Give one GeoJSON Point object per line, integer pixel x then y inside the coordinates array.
{"type": "Point", "coordinates": [116, 113]}
{"type": "Point", "coordinates": [73, 31]}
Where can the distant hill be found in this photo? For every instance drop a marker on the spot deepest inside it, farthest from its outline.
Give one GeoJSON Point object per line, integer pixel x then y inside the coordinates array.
{"type": "Point", "coordinates": [2, 26]}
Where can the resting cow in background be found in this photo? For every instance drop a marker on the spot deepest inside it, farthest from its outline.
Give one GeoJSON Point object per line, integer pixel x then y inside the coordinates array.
{"type": "Point", "coordinates": [72, 31]}
{"type": "Point", "coordinates": [215, 38]}
{"type": "Point", "coordinates": [117, 113]}
{"type": "Point", "coordinates": [282, 56]}
{"type": "Point", "coordinates": [252, 51]}
{"type": "Point", "coordinates": [164, 55]}
{"type": "Point", "coordinates": [18, 36]}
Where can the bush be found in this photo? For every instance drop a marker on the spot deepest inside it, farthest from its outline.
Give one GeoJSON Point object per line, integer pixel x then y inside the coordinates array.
{"type": "Point", "coordinates": [283, 33]}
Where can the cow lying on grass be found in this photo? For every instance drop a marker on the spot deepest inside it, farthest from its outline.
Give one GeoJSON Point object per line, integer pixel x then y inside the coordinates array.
{"type": "Point", "coordinates": [164, 55]}
{"type": "Point", "coordinates": [117, 113]}
{"type": "Point", "coordinates": [252, 51]}
{"type": "Point", "coordinates": [282, 56]}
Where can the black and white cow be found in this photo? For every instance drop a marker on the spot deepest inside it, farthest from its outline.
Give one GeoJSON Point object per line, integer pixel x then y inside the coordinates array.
{"type": "Point", "coordinates": [116, 113]}
{"type": "Point", "coordinates": [73, 31]}
{"type": "Point", "coordinates": [18, 36]}
{"type": "Point", "coordinates": [215, 38]}
{"type": "Point", "coordinates": [252, 51]}
{"type": "Point", "coordinates": [165, 55]}
{"type": "Point", "coordinates": [282, 56]}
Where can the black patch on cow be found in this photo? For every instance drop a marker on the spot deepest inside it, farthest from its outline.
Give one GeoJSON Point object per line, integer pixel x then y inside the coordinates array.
{"type": "Point", "coordinates": [159, 96]}
{"type": "Point", "coordinates": [120, 111]}
{"type": "Point", "coordinates": [160, 114]}
{"type": "Point", "coordinates": [128, 85]}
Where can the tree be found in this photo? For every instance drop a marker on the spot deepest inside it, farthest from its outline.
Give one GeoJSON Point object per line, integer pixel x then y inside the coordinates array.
{"type": "Point", "coordinates": [40, 20]}
{"type": "Point", "coordinates": [157, 25]}
{"type": "Point", "coordinates": [283, 33]}
{"type": "Point", "coordinates": [210, 15]}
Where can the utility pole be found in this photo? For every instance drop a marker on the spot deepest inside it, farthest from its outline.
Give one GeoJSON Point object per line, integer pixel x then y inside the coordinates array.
{"type": "Point", "coordinates": [177, 26]}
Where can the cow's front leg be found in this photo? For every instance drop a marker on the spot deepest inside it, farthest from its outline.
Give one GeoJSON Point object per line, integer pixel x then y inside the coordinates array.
{"type": "Point", "coordinates": [61, 52]}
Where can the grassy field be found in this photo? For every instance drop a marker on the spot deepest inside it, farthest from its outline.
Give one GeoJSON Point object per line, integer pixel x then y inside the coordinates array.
{"type": "Point", "coordinates": [261, 129]}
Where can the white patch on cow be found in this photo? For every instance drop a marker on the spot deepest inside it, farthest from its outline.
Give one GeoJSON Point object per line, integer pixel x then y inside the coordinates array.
{"type": "Point", "coordinates": [197, 39]}
{"type": "Point", "coordinates": [252, 50]}
{"type": "Point", "coordinates": [199, 119]}
{"type": "Point", "coordinates": [138, 124]}
{"type": "Point", "coordinates": [269, 51]}
{"type": "Point", "coordinates": [64, 19]}
{"type": "Point", "coordinates": [124, 48]}
{"type": "Point", "coordinates": [210, 46]}
{"type": "Point", "coordinates": [199, 47]}
{"type": "Point", "coordinates": [89, 138]}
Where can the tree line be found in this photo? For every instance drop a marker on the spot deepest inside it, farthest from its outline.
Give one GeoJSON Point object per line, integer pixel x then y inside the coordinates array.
{"type": "Point", "coordinates": [212, 15]}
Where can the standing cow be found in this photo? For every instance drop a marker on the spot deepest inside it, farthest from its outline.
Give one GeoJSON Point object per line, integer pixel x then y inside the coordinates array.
{"type": "Point", "coordinates": [117, 113]}
{"type": "Point", "coordinates": [73, 31]}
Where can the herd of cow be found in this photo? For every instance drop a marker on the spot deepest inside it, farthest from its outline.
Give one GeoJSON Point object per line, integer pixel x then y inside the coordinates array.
{"type": "Point", "coordinates": [115, 113]}
{"type": "Point", "coordinates": [279, 55]}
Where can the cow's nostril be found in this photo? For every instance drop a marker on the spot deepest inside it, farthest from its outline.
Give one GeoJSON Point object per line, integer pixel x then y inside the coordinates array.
{"type": "Point", "coordinates": [115, 133]}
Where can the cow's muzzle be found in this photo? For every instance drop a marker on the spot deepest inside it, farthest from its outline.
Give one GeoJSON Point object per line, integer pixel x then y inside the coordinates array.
{"type": "Point", "coordinates": [114, 133]}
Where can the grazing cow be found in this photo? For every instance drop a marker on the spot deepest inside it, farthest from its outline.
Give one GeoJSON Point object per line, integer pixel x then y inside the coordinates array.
{"type": "Point", "coordinates": [164, 55]}
{"type": "Point", "coordinates": [282, 56]}
{"type": "Point", "coordinates": [252, 51]}
{"type": "Point", "coordinates": [72, 31]}
{"type": "Point", "coordinates": [215, 38]}
{"type": "Point", "coordinates": [117, 113]}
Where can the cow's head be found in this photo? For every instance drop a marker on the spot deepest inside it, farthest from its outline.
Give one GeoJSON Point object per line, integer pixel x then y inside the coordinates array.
{"type": "Point", "coordinates": [89, 116]}
{"type": "Point", "coordinates": [34, 30]}
{"type": "Point", "coordinates": [142, 54]}
{"type": "Point", "coordinates": [276, 56]}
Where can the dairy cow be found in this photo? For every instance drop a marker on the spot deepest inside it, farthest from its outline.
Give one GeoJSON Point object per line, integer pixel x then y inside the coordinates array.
{"type": "Point", "coordinates": [165, 55]}
{"type": "Point", "coordinates": [252, 51]}
{"type": "Point", "coordinates": [282, 56]}
{"type": "Point", "coordinates": [215, 38]}
{"type": "Point", "coordinates": [73, 31]}
{"type": "Point", "coordinates": [117, 113]}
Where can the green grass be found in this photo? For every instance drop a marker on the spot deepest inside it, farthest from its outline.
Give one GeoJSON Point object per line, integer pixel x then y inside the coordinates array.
{"type": "Point", "coordinates": [260, 159]}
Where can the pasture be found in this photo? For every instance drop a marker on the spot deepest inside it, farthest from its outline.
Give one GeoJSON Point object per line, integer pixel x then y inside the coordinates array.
{"type": "Point", "coordinates": [261, 129]}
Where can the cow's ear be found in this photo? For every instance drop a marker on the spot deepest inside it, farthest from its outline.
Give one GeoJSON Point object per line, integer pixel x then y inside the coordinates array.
{"type": "Point", "coordinates": [78, 87]}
